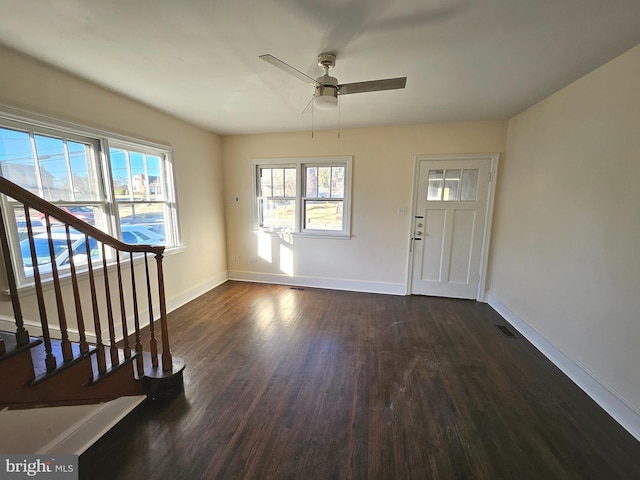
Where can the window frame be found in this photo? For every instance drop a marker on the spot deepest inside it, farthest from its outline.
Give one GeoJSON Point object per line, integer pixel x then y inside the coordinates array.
{"type": "Point", "coordinates": [301, 164]}
{"type": "Point", "coordinates": [100, 140]}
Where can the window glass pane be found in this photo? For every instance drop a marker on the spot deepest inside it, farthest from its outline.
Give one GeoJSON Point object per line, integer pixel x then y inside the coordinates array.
{"type": "Point", "coordinates": [323, 215]}
{"type": "Point", "coordinates": [434, 189]}
{"type": "Point", "coordinates": [311, 188]}
{"type": "Point", "coordinates": [469, 185]}
{"type": "Point", "coordinates": [142, 223]}
{"type": "Point", "coordinates": [83, 173]}
{"type": "Point", "coordinates": [337, 182]}
{"type": "Point", "coordinates": [265, 182]}
{"type": "Point", "coordinates": [290, 182]}
{"type": "Point", "coordinates": [54, 174]}
{"type": "Point", "coordinates": [16, 159]}
{"type": "Point", "coordinates": [120, 173]}
{"type": "Point", "coordinates": [451, 185]}
{"type": "Point", "coordinates": [278, 214]}
{"type": "Point", "coordinates": [324, 182]}
{"type": "Point", "coordinates": [60, 248]}
{"type": "Point", "coordinates": [155, 181]}
{"type": "Point", "coordinates": [138, 176]}
{"type": "Point", "coordinates": [82, 212]}
{"type": "Point", "coordinates": [278, 182]}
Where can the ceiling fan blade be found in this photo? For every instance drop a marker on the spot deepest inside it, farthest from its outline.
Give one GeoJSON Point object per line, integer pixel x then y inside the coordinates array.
{"type": "Point", "coordinates": [372, 85]}
{"type": "Point", "coordinates": [276, 62]}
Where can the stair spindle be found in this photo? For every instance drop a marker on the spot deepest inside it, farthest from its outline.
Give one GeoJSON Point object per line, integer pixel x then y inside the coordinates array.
{"type": "Point", "coordinates": [84, 346]}
{"type": "Point", "coordinates": [136, 319]}
{"type": "Point", "coordinates": [123, 313]}
{"type": "Point", "coordinates": [67, 353]}
{"type": "Point", "coordinates": [100, 353]}
{"type": "Point", "coordinates": [49, 360]}
{"type": "Point", "coordinates": [112, 328]}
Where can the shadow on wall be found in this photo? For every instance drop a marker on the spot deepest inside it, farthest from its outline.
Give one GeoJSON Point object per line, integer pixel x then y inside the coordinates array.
{"type": "Point", "coordinates": [277, 249]}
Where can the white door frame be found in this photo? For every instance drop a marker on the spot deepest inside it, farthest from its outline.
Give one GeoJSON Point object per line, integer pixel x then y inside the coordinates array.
{"type": "Point", "coordinates": [486, 236]}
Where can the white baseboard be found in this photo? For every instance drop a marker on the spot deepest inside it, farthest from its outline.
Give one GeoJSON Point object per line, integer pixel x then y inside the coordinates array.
{"type": "Point", "coordinates": [8, 324]}
{"type": "Point", "coordinates": [320, 282]}
{"type": "Point", "coordinates": [34, 327]}
{"type": "Point", "coordinates": [185, 297]}
{"type": "Point", "coordinates": [612, 402]}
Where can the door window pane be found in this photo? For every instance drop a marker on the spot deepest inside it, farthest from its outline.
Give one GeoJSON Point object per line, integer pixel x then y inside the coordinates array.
{"type": "Point", "coordinates": [469, 185]}
{"type": "Point", "coordinates": [451, 185]}
{"type": "Point", "coordinates": [434, 189]}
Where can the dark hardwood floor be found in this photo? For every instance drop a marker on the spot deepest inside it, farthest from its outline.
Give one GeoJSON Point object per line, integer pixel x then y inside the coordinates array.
{"type": "Point", "coordinates": [285, 383]}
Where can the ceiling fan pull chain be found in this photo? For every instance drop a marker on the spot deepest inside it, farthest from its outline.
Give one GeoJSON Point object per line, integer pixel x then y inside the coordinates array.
{"type": "Point", "coordinates": [338, 117]}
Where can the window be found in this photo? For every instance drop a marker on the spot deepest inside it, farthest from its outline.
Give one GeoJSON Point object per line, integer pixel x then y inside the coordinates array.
{"type": "Point", "coordinates": [120, 186]}
{"type": "Point", "coordinates": [308, 196]}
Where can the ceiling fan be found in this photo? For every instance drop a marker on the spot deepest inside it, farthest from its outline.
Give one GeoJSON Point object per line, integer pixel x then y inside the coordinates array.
{"type": "Point", "coordinates": [327, 87]}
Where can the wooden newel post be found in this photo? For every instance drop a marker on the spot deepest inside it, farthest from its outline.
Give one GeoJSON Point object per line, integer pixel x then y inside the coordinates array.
{"type": "Point", "coordinates": [167, 361]}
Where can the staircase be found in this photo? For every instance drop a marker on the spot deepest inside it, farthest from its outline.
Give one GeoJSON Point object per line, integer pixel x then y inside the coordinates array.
{"type": "Point", "coordinates": [114, 290]}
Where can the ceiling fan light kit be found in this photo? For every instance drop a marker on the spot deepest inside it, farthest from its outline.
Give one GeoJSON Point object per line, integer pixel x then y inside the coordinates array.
{"type": "Point", "coordinates": [325, 97]}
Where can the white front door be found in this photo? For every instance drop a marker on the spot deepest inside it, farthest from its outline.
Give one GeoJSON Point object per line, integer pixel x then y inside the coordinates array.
{"type": "Point", "coordinates": [449, 226]}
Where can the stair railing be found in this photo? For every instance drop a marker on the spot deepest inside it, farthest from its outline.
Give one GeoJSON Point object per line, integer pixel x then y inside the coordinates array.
{"type": "Point", "coordinates": [123, 254]}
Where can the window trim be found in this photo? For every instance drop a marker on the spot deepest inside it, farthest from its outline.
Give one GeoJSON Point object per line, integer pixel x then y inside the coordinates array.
{"type": "Point", "coordinates": [14, 118]}
{"type": "Point", "coordinates": [300, 163]}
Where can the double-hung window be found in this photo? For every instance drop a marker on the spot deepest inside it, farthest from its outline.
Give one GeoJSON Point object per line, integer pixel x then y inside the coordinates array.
{"type": "Point", "coordinates": [306, 196]}
{"type": "Point", "coordinates": [121, 186]}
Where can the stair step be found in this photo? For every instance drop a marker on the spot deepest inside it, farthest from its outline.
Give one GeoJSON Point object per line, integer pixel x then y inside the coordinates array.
{"type": "Point", "coordinates": [11, 344]}
{"type": "Point", "coordinates": [38, 355]}
{"type": "Point", "coordinates": [122, 361]}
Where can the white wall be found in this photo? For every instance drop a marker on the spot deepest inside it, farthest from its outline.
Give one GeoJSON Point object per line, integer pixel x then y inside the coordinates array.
{"type": "Point", "coordinates": [30, 85]}
{"type": "Point", "coordinates": [566, 251]}
{"type": "Point", "coordinates": [375, 258]}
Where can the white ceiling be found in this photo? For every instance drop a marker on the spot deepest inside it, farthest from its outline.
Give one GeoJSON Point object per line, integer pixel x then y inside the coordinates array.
{"type": "Point", "coordinates": [198, 59]}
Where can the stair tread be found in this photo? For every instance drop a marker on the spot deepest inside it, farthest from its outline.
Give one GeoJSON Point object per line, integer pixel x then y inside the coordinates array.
{"type": "Point", "coordinates": [38, 355]}
{"type": "Point", "coordinates": [149, 371]}
{"type": "Point", "coordinates": [11, 344]}
{"type": "Point", "coordinates": [122, 360]}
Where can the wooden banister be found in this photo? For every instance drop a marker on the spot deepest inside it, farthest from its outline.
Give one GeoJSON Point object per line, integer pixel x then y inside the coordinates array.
{"type": "Point", "coordinates": [91, 234]}
{"type": "Point", "coordinates": [33, 201]}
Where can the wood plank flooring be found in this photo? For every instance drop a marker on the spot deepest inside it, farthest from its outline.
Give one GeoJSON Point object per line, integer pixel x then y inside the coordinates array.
{"type": "Point", "coordinates": [284, 383]}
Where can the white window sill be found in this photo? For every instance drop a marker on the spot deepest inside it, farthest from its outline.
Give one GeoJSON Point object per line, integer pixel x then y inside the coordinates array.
{"type": "Point", "coordinates": [307, 234]}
